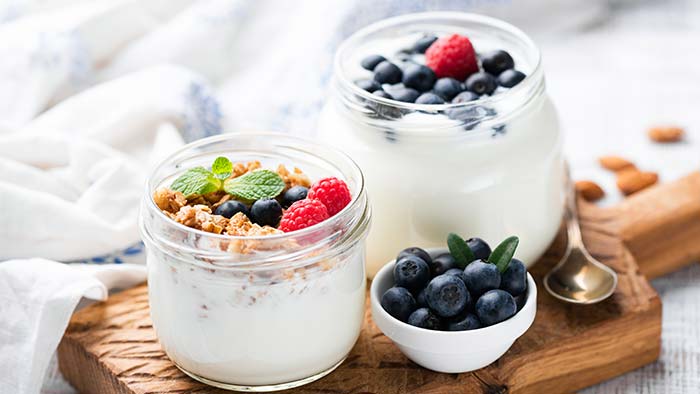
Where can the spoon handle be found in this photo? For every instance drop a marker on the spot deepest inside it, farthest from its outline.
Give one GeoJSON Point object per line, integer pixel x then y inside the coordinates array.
{"type": "Point", "coordinates": [573, 228]}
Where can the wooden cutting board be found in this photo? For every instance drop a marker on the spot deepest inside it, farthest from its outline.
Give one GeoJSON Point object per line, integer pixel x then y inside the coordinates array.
{"type": "Point", "coordinates": [111, 348]}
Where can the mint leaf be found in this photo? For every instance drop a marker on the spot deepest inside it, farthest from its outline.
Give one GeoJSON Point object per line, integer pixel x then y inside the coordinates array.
{"type": "Point", "coordinates": [222, 168]}
{"type": "Point", "coordinates": [460, 250]}
{"type": "Point", "coordinates": [503, 253]}
{"type": "Point", "coordinates": [196, 180]}
{"type": "Point", "coordinates": [255, 185]}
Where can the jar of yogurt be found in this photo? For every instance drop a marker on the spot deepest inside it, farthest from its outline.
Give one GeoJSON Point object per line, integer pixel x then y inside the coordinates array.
{"type": "Point", "coordinates": [491, 167]}
{"type": "Point", "coordinates": [257, 313]}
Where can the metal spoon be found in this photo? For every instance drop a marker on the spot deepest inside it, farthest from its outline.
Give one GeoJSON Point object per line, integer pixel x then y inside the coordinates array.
{"type": "Point", "coordinates": [578, 277]}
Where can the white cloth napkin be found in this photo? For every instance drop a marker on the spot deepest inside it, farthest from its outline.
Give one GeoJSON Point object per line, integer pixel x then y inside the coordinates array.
{"type": "Point", "coordinates": [37, 298]}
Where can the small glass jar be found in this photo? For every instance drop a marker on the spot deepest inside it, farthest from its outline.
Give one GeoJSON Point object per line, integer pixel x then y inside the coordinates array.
{"type": "Point", "coordinates": [258, 313]}
{"type": "Point", "coordinates": [488, 168]}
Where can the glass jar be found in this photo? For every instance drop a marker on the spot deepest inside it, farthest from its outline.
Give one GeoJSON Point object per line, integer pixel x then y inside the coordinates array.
{"type": "Point", "coordinates": [257, 313]}
{"type": "Point", "coordinates": [488, 168]}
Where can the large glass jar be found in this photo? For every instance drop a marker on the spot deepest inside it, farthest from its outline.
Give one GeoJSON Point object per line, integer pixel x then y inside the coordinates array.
{"type": "Point", "coordinates": [258, 313]}
{"type": "Point", "coordinates": [487, 168]}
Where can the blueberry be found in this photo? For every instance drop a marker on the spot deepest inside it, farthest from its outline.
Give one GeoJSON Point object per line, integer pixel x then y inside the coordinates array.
{"type": "Point", "coordinates": [495, 62]}
{"type": "Point", "coordinates": [415, 251]}
{"type": "Point", "coordinates": [294, 194]}
{"type": "Point", "coordinates": [424, 318]}
{"type": "Point", "coordinates": [510, 78]}
{"type": "Point", "coordinates": [514, 280]}
{"type": "Point", "coordinates": [480, 277]}
{"type": "Point", "coordinates": [442, 264]}
{"type": "Point", "coordinates": [429, 98]}
{"type": "Point", "coordinates": [420, 299]}
{"type": "Point", "coordinates": [447, 295]}
{"type": "Point", "coordinates": [463, 322]}
{"type": "Point", "coordinates": [387, 72]}
{"type": "Point", "coordinates": [398, 302]}
{"type": "Point", "coordinates": [520, 300]}
{"type": "Point", "coordinates": [465, 97]}
{"type": "Point", "coordinates": [369, 85]}
{"type": "Point", "coordinates": [230, 208]}
{"type": "Point", "coordinates": [411, 272]}
{"type": "Point", "coordinates": [494, 307]}
{"type": "Point", "coordinates": [481, 83]}
{"type": "Point", "coordinates": [419, 77]}
{"type": "Point", "coordinates": [267, 212]}
{"type": "Point", "coordinates": [480, 248]}
{"type": "Point", "coordinates": [383, 94]}
{"type": "Point", "coordinates": [423, 44]}
{"type": "Point", "coordinates": [406, 95]}
{"type": "Point", "coordinates": [371, 61]}
{"type": "Point", "coordinates": [447, 88]}
{"type": "Point", "coordinates": [456, 272]}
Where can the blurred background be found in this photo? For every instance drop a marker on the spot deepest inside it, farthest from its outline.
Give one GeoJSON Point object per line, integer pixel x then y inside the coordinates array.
{"type": "Point", "coordinates": [132, 80]}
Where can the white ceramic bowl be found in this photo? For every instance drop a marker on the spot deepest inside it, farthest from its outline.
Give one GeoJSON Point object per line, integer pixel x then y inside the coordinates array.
{"type": "Point", "coordinates": [450, 351]}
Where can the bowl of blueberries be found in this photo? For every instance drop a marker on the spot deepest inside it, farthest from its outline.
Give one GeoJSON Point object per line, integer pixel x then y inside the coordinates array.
{"type": "Point", "coordinates": [457, 309]}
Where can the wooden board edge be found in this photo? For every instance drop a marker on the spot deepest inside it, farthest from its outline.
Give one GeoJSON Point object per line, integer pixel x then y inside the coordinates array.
{"type": "Point", "coordinates": [86, 373]}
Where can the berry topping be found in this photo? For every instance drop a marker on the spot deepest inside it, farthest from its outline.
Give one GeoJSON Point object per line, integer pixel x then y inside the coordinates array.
{"type": "Point", "coordinates": [266, 212]}
{"type": "Point", "coordinates": [429, 98]}
{"type": "Point", "coordinates": [481, 83]}
{"type": "Point", "coordinates": [423, 44]}
{"type": "Point", "coordinates": [494, 307]}
{"type": "Point", "coordinates": [411, 272]}
{"type": "Point", "coordinates": [447, 295]}
{"type": "Point", "coordinates": [465, 97]}
{"type": "Point", "coordinates": [387, 72]}
{"type": "Point", "coordinates": [479, 247]}
{"type": "Point", "coordinates": [230, 208]}
{"type": "Point", "coordinates": [510, 78]}
{"type": "Point", "coordinates": [514, 279]}
{"type": "Point", "coordinates": [452, 56]}
{"type": "Point", "coordinates": [407, 95]}
{"type": "Point", "coordinates": [383, 94]}
{"type": "Point", "coordinates": [369, 85]}
{"type": "Point", "coordinates": [424, 318]}
{"type": "Point", "coordinates": [463, 322]}
{"type": "Point", "coordinates": [398, 302]}
{"type": "Point", "coordinates": [303, 214]}
{"type": "Point", "coordinates": [371, 61]}
{"type": "Point", "coordinates": [415, 251]}
{"type": "Point", "coordinates": [419, 77]}
{"type": "Point", "coordinates": [456, 272]}
{"type": "Point", "coordinates": [443, 263]}
{"type": "Point", "coordinates": [447, 88]}
{"type": "Point", "coordinates": [481, 277]}
{"type": "Point", "coordinates": [332, 192]}
{"type": "Point", "coordinates": [294, 194]}
{"type": "Point", "coordinates": [495, 62]}
{"type": "Point", "coordinates": [420, 299]}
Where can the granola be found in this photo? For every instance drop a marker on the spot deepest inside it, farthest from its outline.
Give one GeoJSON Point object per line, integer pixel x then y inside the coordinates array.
{"type": "Point", "coordinates": [295, 178]}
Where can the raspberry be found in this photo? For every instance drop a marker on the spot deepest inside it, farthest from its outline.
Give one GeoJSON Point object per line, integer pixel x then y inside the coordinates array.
{"type": "Point", "coordinates": [303, 214]}
{"type": "Point", "coordinates": [452, 56]}
{"type": "Point", "coordinates": [332, 192]}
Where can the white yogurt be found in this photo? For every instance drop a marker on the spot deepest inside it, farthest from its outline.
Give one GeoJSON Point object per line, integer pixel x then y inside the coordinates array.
{"type": "Point", "coordinates": [226, 329]}
{"type": "Point", "coordinates": [426, 174]}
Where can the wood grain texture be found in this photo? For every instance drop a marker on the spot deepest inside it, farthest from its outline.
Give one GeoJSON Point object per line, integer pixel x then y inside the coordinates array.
{"type": "Point", "coordinates": [111, 347]}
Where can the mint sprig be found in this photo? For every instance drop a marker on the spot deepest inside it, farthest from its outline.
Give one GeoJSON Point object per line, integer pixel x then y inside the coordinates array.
{"type": "Point", "coordinates": [197, 180]}
{"type": "Point", "coordinates": [255, 185]}
{"type": "Point", "coordinates": [503, 254]}
{"type": "Point", "coordinates": [222, 168]}
{"type": "Point", "coordinates": [459, 249]}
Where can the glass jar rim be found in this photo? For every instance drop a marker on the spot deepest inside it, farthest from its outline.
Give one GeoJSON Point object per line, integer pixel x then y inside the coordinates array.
{"type": "Point", "coordinates": [358, 204]}
{"type": "Point", "coordinates": [361, 99]}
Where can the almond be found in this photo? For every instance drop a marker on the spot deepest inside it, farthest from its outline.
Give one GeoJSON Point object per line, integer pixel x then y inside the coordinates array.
{"type": "Point", "coordinates": [615, 163]}
{"type": "Point", "coordinates": [666, 134]}
{"type": "Point", "coordinates": [589, 190]}
{"type": "Point", "coordinates": [630, 182]}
